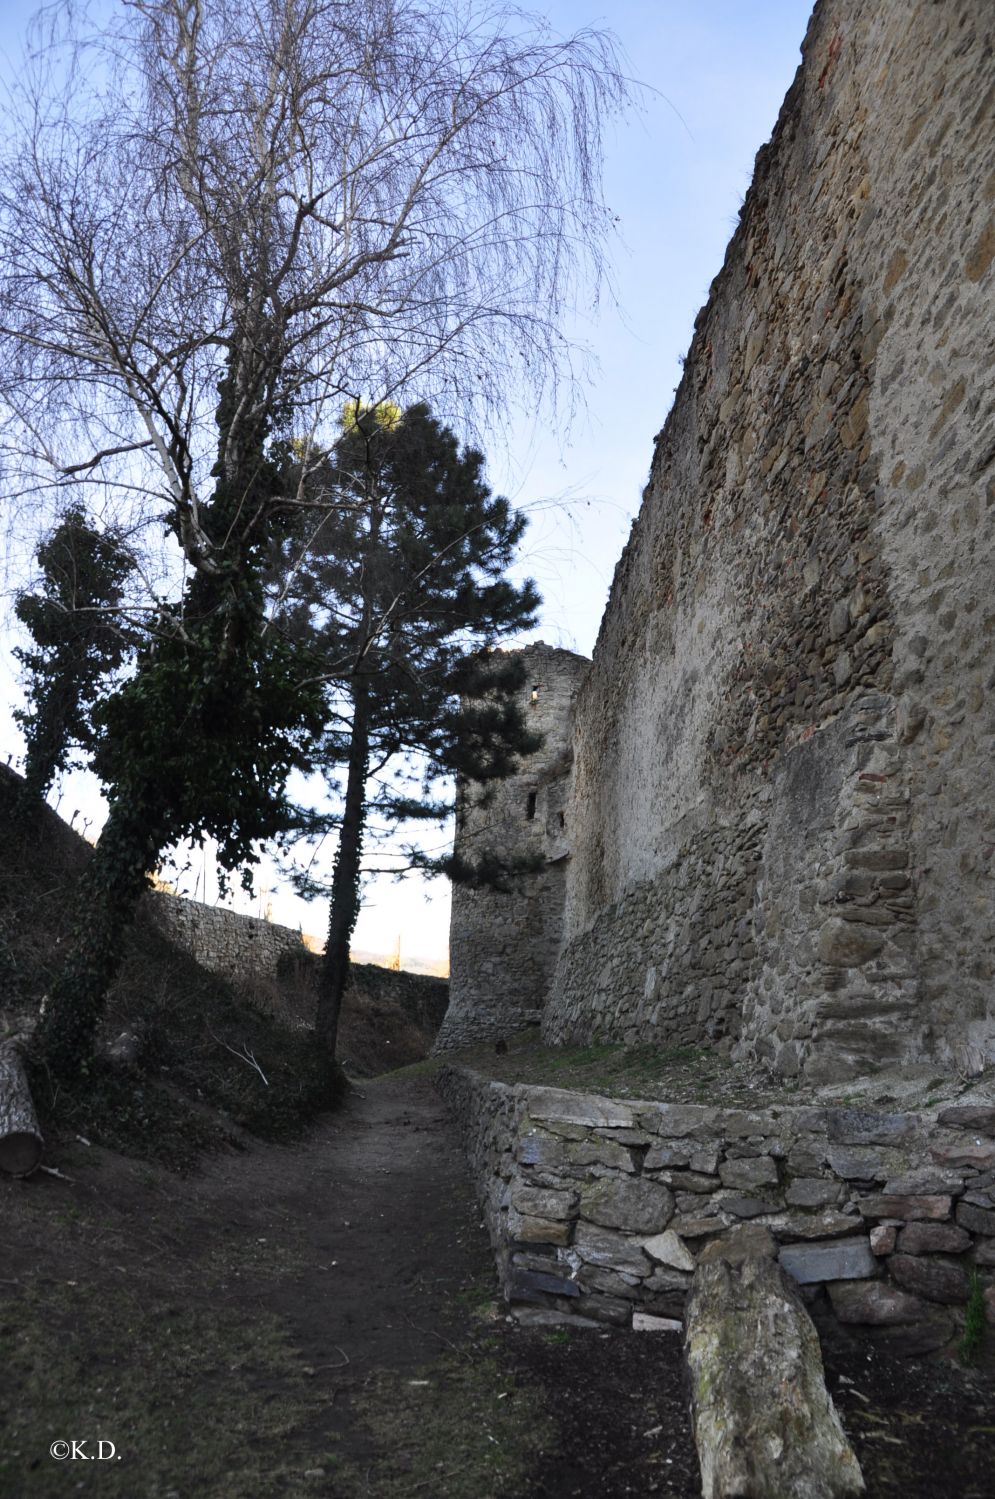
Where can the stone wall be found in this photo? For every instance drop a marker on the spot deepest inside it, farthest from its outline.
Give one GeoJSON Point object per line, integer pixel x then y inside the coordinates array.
{"type": "Point", "coordinates": [781, 815]}
{"type": "Point", "coordinates": [224, 941]}
{"type": "Point", "coordinates": [503, 945]}
{"type": "Point", "coordinates": [598, 1208]}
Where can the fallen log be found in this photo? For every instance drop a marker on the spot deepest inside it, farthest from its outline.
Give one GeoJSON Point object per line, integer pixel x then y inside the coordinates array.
{"type": "Point", "coordinates": [20, 1138]}
{"type": "Point", "coordinates": [763, 1420]}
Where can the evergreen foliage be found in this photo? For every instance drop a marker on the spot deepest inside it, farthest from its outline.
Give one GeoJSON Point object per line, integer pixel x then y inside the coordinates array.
{"type": "Point", "coordinates": [400, 588]}
{"type": "Point", "coordinates": [80, 641]}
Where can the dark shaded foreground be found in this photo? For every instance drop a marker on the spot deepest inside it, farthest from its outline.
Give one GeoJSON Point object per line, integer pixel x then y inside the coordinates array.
{"type": "Point", "coordinates": [319, 1320]}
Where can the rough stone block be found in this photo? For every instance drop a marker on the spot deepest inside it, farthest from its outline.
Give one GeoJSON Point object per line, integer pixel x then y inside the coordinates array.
{"type": "Point", "coordinates": [544, 1202]}
{"type": "Point", "coordinates": [867, 1127]}
{"type": "Point", "coordinates": [668, 1249]}
{"type": "Point", "coordinates": [969, 1116]}
{"type": "Point", "coordinates": [813, 1192]}
{"type": "Point", "coordinates": [935, 1279]}
{"type": "Point", "coordinates": [865, 1162]}
{"type": "Point", "coordinates": [841, 1259]}
{"type": "Point", "coordinates": [749, 1241]}
{"type": "Point", "coordinates": [639, 1206]}
{"type": "Point", "coordinates": [610, 1282]}
{"type": "Point", "coordinates": [874, 1303]}
{"type": "Point", "coordinates": [644, 1322]}
{"type": "Point", "coordinates": [883, 1237]}
{"type": "Point", "coordinates": [603, 1246]}
{"type": "Point", "coordinates": [975, 1220]}
{"type": "Point", "coordinates": [979, 1153]}
{"type": "Point", "coordinates": [761, 1171]}
{"type": "Point", "coordinates": [827, 1225]}
{"type": "Point", "coordinates": [525, 1229]}
{"type": "Point", "coordinates": [532, 1285]}
{"type": "Point", "coordinates": [842, 944]}
{"type": "Point", "coordinates": [763, 1421]}
{"type": "Point", "coordinates": [924, 1179]}
{"type": "Point", "coordinates": [933, 1238]}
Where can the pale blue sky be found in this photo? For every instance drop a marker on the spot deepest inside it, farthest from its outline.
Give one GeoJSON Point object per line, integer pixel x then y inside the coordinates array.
{"type": "Point", "coordinates": [676, 175]}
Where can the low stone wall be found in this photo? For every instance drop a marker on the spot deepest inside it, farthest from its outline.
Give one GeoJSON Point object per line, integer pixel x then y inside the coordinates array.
{"type": "Point", "coordinates": [599, 1208]}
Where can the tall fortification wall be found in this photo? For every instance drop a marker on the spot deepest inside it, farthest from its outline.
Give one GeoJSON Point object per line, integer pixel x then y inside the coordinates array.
{"type": "Point", "coordinates": [781, 812]}
{"type": "Point", "coordinates": [503, 945]}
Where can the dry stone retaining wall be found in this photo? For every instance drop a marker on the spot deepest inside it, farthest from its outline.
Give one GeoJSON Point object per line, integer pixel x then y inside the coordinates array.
{"type": "Point", "coordinates": [599, 1208]}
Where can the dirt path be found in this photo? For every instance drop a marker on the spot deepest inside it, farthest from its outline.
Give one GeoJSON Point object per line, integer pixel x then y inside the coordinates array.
{"type": "Point", "coordinates": [319, 1322]}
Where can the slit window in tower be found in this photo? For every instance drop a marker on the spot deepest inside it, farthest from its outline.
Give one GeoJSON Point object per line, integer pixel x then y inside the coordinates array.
{"type": "Point", "coordinates": [530, 806]}
{"type": "Point", "coordinates": [535, 693]}
{"type": "Point", "coordinates": [563, 820]}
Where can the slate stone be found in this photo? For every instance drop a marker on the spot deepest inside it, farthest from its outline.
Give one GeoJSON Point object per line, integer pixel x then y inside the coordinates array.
{"type": "Point", "coordinates": [749, 1207]}
{"type": "Point", "coordinates": [883, 1237]}
{"type": "Point", "coordinates": [637, 1205]}
{"type": "Point", "coordinates": [525, 1229]}
{"type": "Point", "coordinates": [758, 1172]}
{"type": "Point", "coordinates": [644, 1322]}
{"type": "Point", "coordinates": [933, 1238]}
{"type": "Point", "coordinates": [975, 1220]}
{"type": "Point", "coordinates": [543, 1202]}
{"type": "Point", "coordinates": [827, 1225]}
{"type": "Point", "coordinates": [908, 1208]}
{"type": "Point", "coordinates": [813, 1192]}
{"type": "Point", "coordinates": [867, 1127]}
{"type": "Point", "coordinates": [840, 1259]}
{"type": "Point", "coordinates": [529, 1285]}
{"type": "Point", "coordinates": [979, 1153]}
{"type": "Point", "coordinates": [865, 1162]}
{"type": "Point", "coordinates": [874, 1303]}
{"type": "Point", "coordinates": [602, 1246]}
{"type": "Point", "coordinates": [600, 1278]}
{"type": "Point", "coordinates": [935, 1279]}
{"type": "Point", "coordinates": [578, 1108]}
{"type": "Point", "coordinates": [924, 1180]}
{"type": "Point", "coordinates": [969, 1116]}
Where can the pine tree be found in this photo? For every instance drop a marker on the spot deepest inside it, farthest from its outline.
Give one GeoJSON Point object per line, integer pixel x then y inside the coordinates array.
{"type": "Point", "coordinates": [80, 640]}
{"type": "Point", "coordinates": [402, 592]}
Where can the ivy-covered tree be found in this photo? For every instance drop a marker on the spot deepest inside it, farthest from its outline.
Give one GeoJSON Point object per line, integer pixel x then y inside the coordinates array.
{"type": "Point", "coordinates": [401, 591]}
{"type": "Point", "coordinates": [81, 638]}
{"type": "Point", "coordinates": [215, 220]}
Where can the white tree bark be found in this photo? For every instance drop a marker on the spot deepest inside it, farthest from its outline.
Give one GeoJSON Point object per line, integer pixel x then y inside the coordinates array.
{"type": "Point", "coordinates": [764, 1423]}
{"type": "Point", "coordinates": [20, 1138]}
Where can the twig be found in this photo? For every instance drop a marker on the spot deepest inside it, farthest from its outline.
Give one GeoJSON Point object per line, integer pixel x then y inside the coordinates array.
{"type": "Point", "coordinates": [54, 1171]}
{"type": "Point", "coordinates": [245, 1055]}
{"type": "Point", "coordinates": [345, 1360]}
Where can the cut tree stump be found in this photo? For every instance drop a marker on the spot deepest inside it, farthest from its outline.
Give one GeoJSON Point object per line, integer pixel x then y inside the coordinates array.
{"type": "Point", "coordinates": [20, 1138]}
{"type": "Point", "coordinates": [763, 1420]}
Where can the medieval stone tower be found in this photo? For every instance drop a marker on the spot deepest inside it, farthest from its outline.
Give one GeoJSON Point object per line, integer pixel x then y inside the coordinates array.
{"type": "Point", "coordinates": [503, 946]}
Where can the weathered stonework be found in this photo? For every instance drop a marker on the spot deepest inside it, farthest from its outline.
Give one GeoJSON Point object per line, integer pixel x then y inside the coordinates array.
{"type": "Point", "coordinates": [781, 818]}
{"type": "Point", "coordinates": [600, 1208]}
{"type": "Point", "coordinates": [503, 945]}
{"type": "Point", "coordinates": [224, 941]}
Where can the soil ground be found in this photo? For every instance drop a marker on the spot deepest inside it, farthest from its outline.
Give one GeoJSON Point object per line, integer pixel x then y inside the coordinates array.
{"type": "Point", "coordinates": [319, 1319]}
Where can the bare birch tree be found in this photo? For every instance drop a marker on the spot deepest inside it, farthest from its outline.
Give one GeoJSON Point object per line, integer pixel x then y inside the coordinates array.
{"type": "Point", "coordinates": [217, 219]}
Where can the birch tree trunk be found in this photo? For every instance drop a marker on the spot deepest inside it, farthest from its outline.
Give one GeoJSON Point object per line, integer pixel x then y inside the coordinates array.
{"type": "Point", "coordinates": [20, 1138]}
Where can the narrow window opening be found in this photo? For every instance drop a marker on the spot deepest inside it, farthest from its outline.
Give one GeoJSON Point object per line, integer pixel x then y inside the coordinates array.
{"type": "Point", "coordinates": [530, 806]}
{"type": "Point", "coordinates": [535, 693]}
{"type": "Point", "coordinates": [563, 820]}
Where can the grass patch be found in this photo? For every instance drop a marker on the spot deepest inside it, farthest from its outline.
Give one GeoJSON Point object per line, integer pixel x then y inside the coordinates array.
{"type": "Point", "coordinates": [460, 1427]}
{"type": "Point", "coordinates": [196, 1400]}
{"type": "Point", "coordinates": [973, 1338]}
